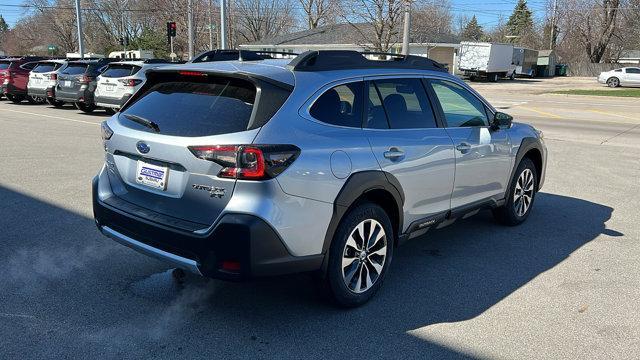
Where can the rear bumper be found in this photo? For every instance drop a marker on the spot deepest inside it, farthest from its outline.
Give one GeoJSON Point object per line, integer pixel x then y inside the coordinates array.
{"type": "Point", "coordinates": [83, 96]}
{"type": "Point", "coordinates": [40, 92]}
{"type": "Point", "coordinates": [13, 90]}
{"type": "Point", "coordinates": [108, 102]}
{"type": "Point", "coordinates": [237, 247]}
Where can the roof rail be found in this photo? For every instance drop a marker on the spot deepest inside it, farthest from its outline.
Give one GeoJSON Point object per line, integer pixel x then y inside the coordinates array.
{"type": "Point", "coordinates": [326, 60]}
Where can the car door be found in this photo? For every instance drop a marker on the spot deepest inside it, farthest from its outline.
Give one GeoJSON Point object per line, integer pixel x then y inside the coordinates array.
{"type": "Point", "coordinates": [633, 76]}
{"type": "Point", "coordinates": [483, 160]}
{"type": "Point", "coordinates": [408, 143]}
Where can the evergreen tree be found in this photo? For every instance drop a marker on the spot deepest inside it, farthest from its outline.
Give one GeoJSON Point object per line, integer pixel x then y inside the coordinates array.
{"type": "Point", "coordinates": [4, 27]}
{"type": "Point", "coordinates": [472, 31]}
{"type": "Point", "coordinates": [520, 24]}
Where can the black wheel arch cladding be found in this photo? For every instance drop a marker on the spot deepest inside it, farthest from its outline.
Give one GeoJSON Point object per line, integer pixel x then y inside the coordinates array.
{"type": "Point", "coordinates": [526, 146]}
{"type": "Point", "coordinates": [357, 186]}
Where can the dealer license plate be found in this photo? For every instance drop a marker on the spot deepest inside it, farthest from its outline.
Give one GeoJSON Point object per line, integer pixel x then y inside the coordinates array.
{"type": "Point", "coordinates": [151, 175]}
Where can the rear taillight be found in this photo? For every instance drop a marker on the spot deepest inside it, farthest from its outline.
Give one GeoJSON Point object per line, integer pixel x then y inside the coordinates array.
{"type": "Point", "coordinates": [130, 82]}
{"type": "Point", "coordinates": [248, 162]}
{"type": "Point", "coordinates": [53, 76]}
{"type": "Point", "coordinates": [84, 79]}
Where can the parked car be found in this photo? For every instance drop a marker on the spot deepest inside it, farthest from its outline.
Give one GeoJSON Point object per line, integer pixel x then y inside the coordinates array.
{"type": "Point", "coordinates": [120, 80]}
{"type": "Point", "coordinates": [43, 78]}
{"type": "Point", "coordinates": [14, 75]}
{"type": "Point", "coordinates": [324, 164]}
{"type": "Point", "coordinates": [627, 76]}
{"type": "Point", "coordinates": [77, 83]}
{"type": "Point", "coordinates": [486, 60]}
{"type": "Point", "coordinates": [233, 54]}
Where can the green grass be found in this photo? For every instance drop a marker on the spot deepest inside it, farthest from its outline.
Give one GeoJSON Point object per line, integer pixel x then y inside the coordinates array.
{"type": "Point", "coordinates": [602, 92]}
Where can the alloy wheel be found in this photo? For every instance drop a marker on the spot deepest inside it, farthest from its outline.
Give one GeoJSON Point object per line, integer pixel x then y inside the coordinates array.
{"type": "Point", "coordinates": [523, 193]}
{"type": "Point", "coordinates": [364, 256]}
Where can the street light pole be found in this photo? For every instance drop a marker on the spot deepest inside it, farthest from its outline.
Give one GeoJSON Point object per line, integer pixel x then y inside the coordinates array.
{"type": "Point", "coordinates": [79, 23]}
{"type": "Point", "coordinates": [223, 26]}
{"type": "Point", "coordinates": [407, 26]}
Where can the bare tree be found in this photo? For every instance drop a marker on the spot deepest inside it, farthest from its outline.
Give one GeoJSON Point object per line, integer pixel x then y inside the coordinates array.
{"type": "Point", "coordinates": [318, 12]}
{"type": "Point", "coordinates": [431, 20]}
{"type": "Point", "coordinates": [377, 21]}
{"type": "Point", "coordinates": [259, 19]}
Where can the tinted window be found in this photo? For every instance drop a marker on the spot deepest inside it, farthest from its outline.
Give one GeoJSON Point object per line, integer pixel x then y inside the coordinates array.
{"type": "Point", "coordinates": [460, 107]}
{"type": "Point", "coordinates": [340, 105]}
{"type": "Point", "coordinates": [4, 65]}
{"type": "Point", "coordinates": [633, 71]}
{"type": "Point", "coordinates": [618, 70]}
{"type": "Point", "coordinates": [74, 69]}
{"type": "Point", "coordinates": [116, 71]}
{"type": "Point", "coordinates": [376, 117]}
{"type": "Point", "coordinates": [406, 104]}
{"type": "Point", "coordinates": [195, 109]}
{"type": "Point", "coordinates": [28, 66]}
{"type": "Point", "coordinates": [45, 67]}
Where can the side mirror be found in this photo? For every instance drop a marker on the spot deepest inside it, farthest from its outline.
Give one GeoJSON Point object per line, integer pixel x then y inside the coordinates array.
{"type": "Point", "coordinates": [500, 120]}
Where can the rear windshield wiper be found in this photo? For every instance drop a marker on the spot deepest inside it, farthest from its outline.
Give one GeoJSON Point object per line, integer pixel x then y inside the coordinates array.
{"type": "Point", "coordinates": [142, 121]}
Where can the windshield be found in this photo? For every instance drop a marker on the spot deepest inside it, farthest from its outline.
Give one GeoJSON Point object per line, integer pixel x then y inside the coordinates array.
{"type": "Point", "coordinates": [4, 65]}
{"type": "Point", "coordinates": [183, 108]}
{"type": "Point", "coordinates": [116, 71]}
{"type": "Point", "coordinates": [46, 67]}
{"type": "Point", "coordinates": [75, 69]}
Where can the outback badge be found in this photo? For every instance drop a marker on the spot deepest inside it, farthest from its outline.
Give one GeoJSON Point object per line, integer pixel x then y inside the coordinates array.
{"type": "Point", "coordinates": [214, 191]}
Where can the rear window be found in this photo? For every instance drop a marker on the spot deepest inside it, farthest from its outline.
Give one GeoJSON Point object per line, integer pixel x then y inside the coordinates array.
{"type": "Point", "coordinates": [4, 65]}
{"type": "Point", "coordinates": [116, 71]}
{"type": "Point", "coordinates": [75, 69]}
{"type": "Point", "coordinates": [181, 108]}
{"type": "Point", "coordinates": [46, 67]}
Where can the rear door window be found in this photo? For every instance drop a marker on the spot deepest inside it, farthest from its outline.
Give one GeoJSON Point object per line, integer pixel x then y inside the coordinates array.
{"type": "Point", "coordinates": [74, 69]}
{"type": "Point", "coordinates": [117, 71]}
{"type": "Point", "coordinates": [181, 108]}
{"type": "Point", "coordinates": [340, 105]}
{"type": "Point", "coordinates": [406, 104]}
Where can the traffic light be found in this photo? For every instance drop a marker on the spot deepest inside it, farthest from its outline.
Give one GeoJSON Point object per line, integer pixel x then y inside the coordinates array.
{"type": "Point", "coordinates": [171, 29]}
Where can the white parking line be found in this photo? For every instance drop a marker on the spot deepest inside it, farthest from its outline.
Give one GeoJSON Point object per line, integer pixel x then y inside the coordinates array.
{"type": "Point", "coordinates": [52, 117]}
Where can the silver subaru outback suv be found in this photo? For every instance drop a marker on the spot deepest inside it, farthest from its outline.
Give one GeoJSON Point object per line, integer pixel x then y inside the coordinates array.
{"type": "Point", "coordinates": [324, 164]}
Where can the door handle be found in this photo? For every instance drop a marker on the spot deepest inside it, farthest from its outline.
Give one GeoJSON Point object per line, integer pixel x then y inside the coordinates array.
{"type": "Point", "coordinates": [463, 147]}
{"type": "Point", "coordinates": [394, 153]}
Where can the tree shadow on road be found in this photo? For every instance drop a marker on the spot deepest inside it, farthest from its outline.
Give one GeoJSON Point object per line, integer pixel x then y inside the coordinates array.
{"type": "Point", "coordinates": [448, 275]}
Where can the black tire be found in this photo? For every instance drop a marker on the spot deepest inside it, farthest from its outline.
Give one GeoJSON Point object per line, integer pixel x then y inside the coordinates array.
{"type": "Point", "coordinates": [613, 82]}
{"type": "Point", "coordinates": [334, 283]}
{"type": "Point", "coordinates": [494, 77]}
{"type": "Point", "coordinates": [85, 108]}
{"type": "Point", "coordinates": [16, 99]}
{"type": "Point", "coordinates": [472, 78]}
{"type": "Point", "coordinates": [509, 213]}
{"type": "Point", "coordinates": [110, 111]}
{"type": "Point", "coordinates": [54, 102]}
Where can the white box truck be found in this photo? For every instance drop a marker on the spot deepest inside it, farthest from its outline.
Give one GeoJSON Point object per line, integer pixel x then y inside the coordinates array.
{"type": "Point", "coordinates": [486, 60]}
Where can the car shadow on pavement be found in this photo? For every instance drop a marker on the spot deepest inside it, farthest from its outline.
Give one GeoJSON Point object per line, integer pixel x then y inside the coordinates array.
{"type": "Point", "coordinates": [112, 298]}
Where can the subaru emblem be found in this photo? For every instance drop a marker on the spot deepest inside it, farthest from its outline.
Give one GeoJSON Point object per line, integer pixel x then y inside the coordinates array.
{"type": "Point", "coordinates": [142, 147]}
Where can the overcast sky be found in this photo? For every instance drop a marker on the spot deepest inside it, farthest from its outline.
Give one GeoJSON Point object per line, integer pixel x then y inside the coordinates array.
{"type": "Point", "coordinates": [488, 12]}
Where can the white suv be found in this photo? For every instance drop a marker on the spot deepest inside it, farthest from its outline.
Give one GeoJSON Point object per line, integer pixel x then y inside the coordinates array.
{"type": "Point", "coordinates": [42, 80]}
{"type": "Point", "coordinates": [118, 81]}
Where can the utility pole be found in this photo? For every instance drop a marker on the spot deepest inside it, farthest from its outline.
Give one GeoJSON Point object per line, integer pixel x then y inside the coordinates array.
{"type": "Point", "coordinates": [223, 26]}
{"type": "Point", "coordinates": [190, 27]}
{"type": "Point", "coordinates": [210, 24]}
{"type": "Point", "coordinates": [552, 31]}
{"type": "Point", "coordinates": [407, 26]}
{"type": "Point", "coordinates": [124, 30]}
{"type": "Point", "coordinates": [79, 23]}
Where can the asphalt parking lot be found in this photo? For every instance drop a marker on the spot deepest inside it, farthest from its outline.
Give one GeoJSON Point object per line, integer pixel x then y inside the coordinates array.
{"type": "Point", "coordinates": [565, 284]}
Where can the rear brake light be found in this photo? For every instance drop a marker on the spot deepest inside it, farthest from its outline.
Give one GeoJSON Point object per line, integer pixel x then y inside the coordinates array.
{"type": "Point", "coordinates": [130, 82]}
{"type": "Point", "coordinates": [84, 79]}
{"type": "Point", "coordinates": [53, 76]}
{"type": "Point", "coordinates": [191, 73]}
{"type": "Point", "coordinates": [248, 162]}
